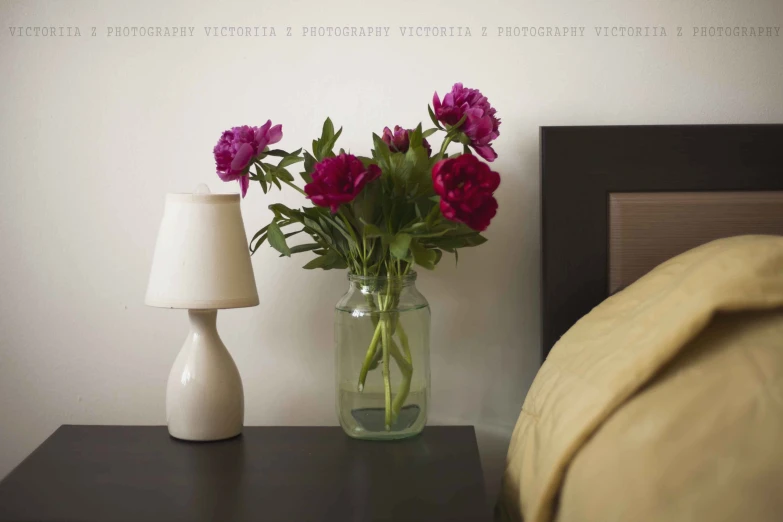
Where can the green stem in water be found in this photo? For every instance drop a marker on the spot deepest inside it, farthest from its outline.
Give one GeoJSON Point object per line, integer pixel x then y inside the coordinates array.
{"type": "Point", "coordinates": [405, 345]}
{"type": "Point", "coordinates": [405, 386]}
{"type": "Point", "coordinates": [369, 356]}
{"type": "Point", "coordinates": [406, 369]}
{"type": "Point", "coordinates": [385, 328]}
{"type": "Point", "coordinates": [386, 380]}
{"type": "Point", "coordinates": [394, 351]}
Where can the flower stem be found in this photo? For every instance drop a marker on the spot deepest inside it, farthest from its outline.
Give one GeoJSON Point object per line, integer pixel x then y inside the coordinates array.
{"type": "Point", "coordinates": [387, 325]}
{"type": "Point", "coordinates": [364, 255]}
{"type": "Point", "coordinates": [386, 379]}
{"type": "Point", "coordinates": [406, 368]}
{"type": "Point", "coordinates": [405, 345]}
{"type": "Point", "coordinates": [290, 184]}
{"type": "Point", "coordinates": [445, 145]}
{"type": "Point", "coordinates": [369, 356]}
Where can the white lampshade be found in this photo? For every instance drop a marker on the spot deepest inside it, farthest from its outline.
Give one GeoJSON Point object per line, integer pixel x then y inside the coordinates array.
{"type": "Point", "coordinates": [201, 257]}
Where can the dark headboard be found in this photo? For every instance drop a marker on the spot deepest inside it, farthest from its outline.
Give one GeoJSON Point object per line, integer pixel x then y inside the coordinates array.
{"type": "Point", "coordinates": [582, 168]}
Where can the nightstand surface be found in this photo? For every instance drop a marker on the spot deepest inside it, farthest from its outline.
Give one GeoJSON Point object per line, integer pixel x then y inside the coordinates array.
{"type": "Point", "coordinates": [302, 474]}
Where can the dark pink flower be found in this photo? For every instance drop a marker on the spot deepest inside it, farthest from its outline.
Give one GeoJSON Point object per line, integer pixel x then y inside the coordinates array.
{"type": "Point", "coordinates": [238, 147]}
{"type": "Point", "coordinates": [466, 186]}
{"type": "Point", "coordinates": [339, 180]}
{"type": "Point", "coordinates": [398, 140]}
{"type": "Point", "coordinates": [481, 124]}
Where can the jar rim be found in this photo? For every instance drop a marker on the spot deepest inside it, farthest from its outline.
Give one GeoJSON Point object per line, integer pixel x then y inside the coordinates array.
{"type": "Point", "coordinates": [410, 277]}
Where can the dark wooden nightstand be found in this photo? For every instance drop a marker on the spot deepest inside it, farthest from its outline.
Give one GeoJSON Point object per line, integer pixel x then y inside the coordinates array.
{"type": "Point", "coordinates": [296, 474]}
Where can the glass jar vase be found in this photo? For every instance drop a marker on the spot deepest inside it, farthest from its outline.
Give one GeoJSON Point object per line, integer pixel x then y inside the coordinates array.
{"type": "Point", "coordinates": [382, 342]}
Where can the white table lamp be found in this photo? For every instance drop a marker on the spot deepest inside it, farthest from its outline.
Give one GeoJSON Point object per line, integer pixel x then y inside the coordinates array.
{"type": "Point", "coordinates": [202, 263]}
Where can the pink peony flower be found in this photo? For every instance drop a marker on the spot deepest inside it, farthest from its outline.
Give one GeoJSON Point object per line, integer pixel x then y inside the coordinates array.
{"type": "Point", "coordinates": [481, 125]}
{"type": "Point", "coordinates": [466, 186]}
{"type": "Point", "coordinates": [339, 180]}
{"type": "Point", "coordinates": [398, 140]}
{"type": "Point", "coordinates": [238, 147]}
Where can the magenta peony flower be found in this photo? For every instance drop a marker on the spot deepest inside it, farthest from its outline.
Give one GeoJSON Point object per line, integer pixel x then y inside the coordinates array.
{"type": "Point", "coordinates": [398, 140]}
{"type": "Point", "coordinates": [237, 148]}
{"type": "Point", "coordinates": [339, 180]}
{"type": "Point", "coordinates": [481, 125]}
{"type": "Point", "coordinates": [465, 186]}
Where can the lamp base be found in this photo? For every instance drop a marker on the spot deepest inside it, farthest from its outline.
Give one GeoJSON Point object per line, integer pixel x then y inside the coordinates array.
{"type": "Point", "coordinates": [204, 397]}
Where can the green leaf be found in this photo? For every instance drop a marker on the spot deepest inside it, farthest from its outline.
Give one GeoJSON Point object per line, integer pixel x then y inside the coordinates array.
{"type": "Point", "coordinates": [327, 146]}
{"type": "Point", "coordinates": [327, 261]}
{"type": "Point", "coordinates": [318, 262]}
{"type": "Point", "coordinates": [327, 132]}
{"type": "Point", "coordinates": [291, 159]}
{"type": "Point", "coordinates": [433, 214]}
{"type": "Point", "coordinates": [419, 171]}
{"type": "Point", "coordinates": [461, 241]}
{"type": "Point", "coordinates": [322, 147]}
{"type": "Point", "coordinates": [309, 162]}
{"type": "Point", "coordinates": [256, 243]}
{"type": "Point", "coordinates": [278, 152]}
{"type": "Point", "coordinates": [371, 231]}
{"type": "Point", "coordinates": [276, 239]}
{"type": "Point", "coordinates": [309, 166]}
{"type": "Point", "coordinates": [426, 234]}
{"type": "Point", "coordinates": [278, 172]}
{"type": "Point", "coordinates": [279, 208]}
{"type": "Point", "coordinates": [326, 216]}
{"type": "Point", "coordinates": [434, 118]}
{"type": "Point", "coordinates": [349, 228]}
{"type": "Point", "coordinates": [415, 137]}
{"type": "Point", "coordinates": [400, 245]}
{"type": "Point", "coordinates": [291, 234]}
{"type": "Point", "coordinates": [365, 205]}
{"type": "Point", "coordinates": [263, 184]}
{"type": "Point", "coordinates": [258, 239]}
{"type": "Point", "coordinates": [296, 249]}
{"type": "Point", "coordinates": [274, 180]}
{"type": "Point", "coordinates": [320, 144]}
{"type": "Point", "coordinates": [429, 132]}
{"type": "Point", "coordinates": [259, 176]}
{"type": "Point", "coordinates": [381, 153]}
{"type": "Point", "coordinates": [400, 172]}
{"type": "Point", "coordinates": [423, 257]}
{"type": "Point", "coordinates": [311, 222]}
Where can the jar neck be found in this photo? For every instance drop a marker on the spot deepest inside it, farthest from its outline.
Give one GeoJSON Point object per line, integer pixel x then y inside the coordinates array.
{"type": "Point", "coordinates": [374, 284]}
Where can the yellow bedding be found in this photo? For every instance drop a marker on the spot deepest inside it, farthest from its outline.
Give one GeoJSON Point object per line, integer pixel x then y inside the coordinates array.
{"type": "Point", "coordinates": [665, 402]}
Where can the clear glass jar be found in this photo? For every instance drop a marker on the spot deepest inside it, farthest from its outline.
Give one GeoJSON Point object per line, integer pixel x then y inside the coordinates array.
{"type": "Point", "coordinates": [382, 341]}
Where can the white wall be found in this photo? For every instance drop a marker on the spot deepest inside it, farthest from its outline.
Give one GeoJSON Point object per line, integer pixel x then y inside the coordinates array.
{"type": "Point", "coordinates": [95, 130]}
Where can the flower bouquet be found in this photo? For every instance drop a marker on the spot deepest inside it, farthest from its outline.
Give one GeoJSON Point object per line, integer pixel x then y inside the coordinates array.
{"type": "Point", "coordinates": [378, 216]}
